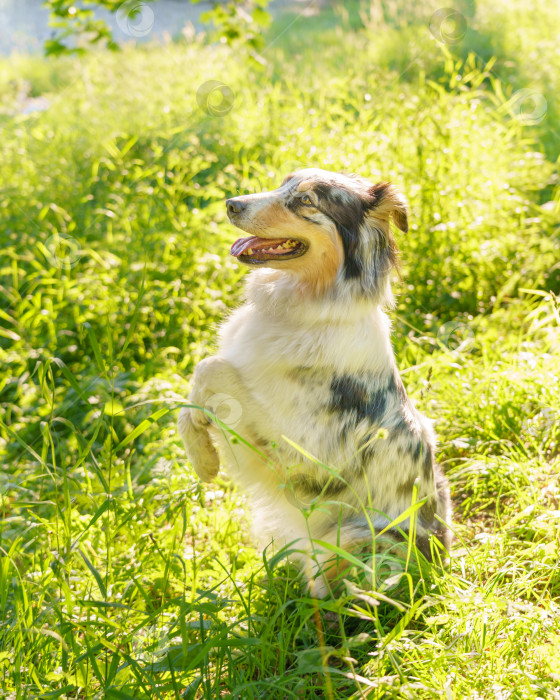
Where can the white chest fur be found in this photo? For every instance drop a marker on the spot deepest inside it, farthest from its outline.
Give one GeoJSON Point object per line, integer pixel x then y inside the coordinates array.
{"type": "Point", "coordinates": [272, 352]}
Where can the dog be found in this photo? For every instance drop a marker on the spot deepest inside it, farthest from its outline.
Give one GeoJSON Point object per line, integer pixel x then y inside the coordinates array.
{"type": "Point", "coordinates": [303, 402]}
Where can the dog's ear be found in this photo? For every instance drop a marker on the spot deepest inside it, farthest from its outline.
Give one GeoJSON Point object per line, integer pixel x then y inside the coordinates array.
{"type": "Point", "coordinates": [389, 203]}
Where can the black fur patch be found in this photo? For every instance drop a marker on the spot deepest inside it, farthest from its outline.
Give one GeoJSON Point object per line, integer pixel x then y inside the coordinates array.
{"type": "Point", "coordinates": [351, 395]}
{"type": "Point", "coordinates": [378, 191]}
{"type": "Point", "coordinates": [418, 450]}
{"type": "Point", "coordinates": [428, 464]}
{"type": "Point", "coordinates": [314, 376]}
{"type": "Point", "coordinates": [314, 488]}
{"type": "Point", "coordinates": [402, 429]}
{"type": "Point", "coordinates": [427, 511]}
{"type": "Point", "coordinates": [366, 451]}
{"type": "Point", "coordinates": [404, 489]}
{"type": "Point", "coordinates": [346, 210]}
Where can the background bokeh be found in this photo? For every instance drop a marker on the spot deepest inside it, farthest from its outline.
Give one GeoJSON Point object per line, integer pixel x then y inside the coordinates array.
{"type": "Point", "coordinates": [120, 575]}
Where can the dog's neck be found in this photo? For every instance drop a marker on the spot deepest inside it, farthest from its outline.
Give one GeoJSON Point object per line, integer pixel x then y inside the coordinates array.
{"type": "Point", "coordinates": [279, 294]}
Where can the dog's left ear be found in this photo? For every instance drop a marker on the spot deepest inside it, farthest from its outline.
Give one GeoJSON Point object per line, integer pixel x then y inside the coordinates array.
{"type": "Point", "coordinates": [389, 203]}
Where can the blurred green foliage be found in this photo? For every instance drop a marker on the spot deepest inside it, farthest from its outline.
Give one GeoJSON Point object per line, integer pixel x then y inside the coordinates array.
{"type": "Point", "coordinates": [78, 28]}
{"type": "Point", "coordinates": [120, 576]}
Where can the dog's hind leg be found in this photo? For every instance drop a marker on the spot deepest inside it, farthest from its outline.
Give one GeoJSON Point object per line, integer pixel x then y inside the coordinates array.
{"type": "Point", "coordinates": [378, 557]}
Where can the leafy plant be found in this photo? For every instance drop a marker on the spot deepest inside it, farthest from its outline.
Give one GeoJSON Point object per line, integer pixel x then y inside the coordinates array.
{"type": "Point", "coordinates": [78, 26]}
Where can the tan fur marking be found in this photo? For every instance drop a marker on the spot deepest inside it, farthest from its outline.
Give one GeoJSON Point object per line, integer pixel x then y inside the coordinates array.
{"type": "Point", "coordinates": [319, 267]}
{"type": "Point", "coordinates": [315, 271]}
{"type": "Point", "coordinates": [275, 218]}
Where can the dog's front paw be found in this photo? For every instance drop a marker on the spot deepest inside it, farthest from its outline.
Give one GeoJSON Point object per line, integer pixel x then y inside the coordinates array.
{"type": "Point", "coordinates": [204, 457]}
{"type": "Point", "coordinates": [213, 371]}
{"type": "Point", "coordinates": [199, 447]}
{"type": "Point", "coordinates": [214, 382]}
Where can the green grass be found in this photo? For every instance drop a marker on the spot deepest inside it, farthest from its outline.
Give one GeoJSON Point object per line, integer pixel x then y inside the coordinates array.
{"type": "Point", "coordinates": [123, 577]}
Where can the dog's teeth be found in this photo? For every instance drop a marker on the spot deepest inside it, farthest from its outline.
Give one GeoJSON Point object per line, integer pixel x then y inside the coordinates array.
{"type": "Point", "coordinates": [281, 247]}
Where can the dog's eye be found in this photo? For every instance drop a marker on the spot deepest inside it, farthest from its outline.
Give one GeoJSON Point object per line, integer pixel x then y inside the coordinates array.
{"type": "Point", "coordinates": [306, 199]}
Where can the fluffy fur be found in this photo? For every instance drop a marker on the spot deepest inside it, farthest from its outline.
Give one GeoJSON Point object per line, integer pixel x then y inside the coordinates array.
{"type": "Point", "coordinates": [306, 362]}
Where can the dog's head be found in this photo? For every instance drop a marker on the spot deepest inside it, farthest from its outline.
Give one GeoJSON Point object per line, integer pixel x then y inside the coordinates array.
{"type": "Point", "coordinates": [322, 228]}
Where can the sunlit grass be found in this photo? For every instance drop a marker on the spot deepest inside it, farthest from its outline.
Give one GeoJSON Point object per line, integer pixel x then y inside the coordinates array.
{"type": "Point", "coordinates": [120, 575]}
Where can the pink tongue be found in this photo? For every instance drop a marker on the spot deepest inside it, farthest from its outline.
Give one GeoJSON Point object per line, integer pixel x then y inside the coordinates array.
{"type": "Point", "coordinates": [241, 245]}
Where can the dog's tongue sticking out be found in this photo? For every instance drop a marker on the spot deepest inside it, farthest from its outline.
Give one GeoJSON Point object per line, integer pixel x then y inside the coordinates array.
{"type": "Point", "coordinates": [263, 248]}
{"type": "Point", "coordinates": [242, 244]}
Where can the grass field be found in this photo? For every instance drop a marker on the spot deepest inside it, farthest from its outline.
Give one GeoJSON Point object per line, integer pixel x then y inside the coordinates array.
{"type": "Point", "coordinates": [121, 576]}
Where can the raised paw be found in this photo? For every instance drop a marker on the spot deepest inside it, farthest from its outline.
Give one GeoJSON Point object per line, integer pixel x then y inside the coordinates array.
{"type": "Point", "coordinates": [200, 449]}
{"type": "Point", "coordinates": [214, 383]}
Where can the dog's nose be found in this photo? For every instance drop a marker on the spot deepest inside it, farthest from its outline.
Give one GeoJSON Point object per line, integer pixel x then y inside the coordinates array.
{"type": "Point", "coordinates": [235, 206]}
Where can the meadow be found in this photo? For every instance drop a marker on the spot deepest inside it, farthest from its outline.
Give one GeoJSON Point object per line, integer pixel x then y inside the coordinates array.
{"type": "Point", "coordinates": [121, 576]}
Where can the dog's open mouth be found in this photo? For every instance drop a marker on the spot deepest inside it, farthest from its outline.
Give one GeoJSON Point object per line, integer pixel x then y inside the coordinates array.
{"type": "Point", "coordinates": [255, 250]}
